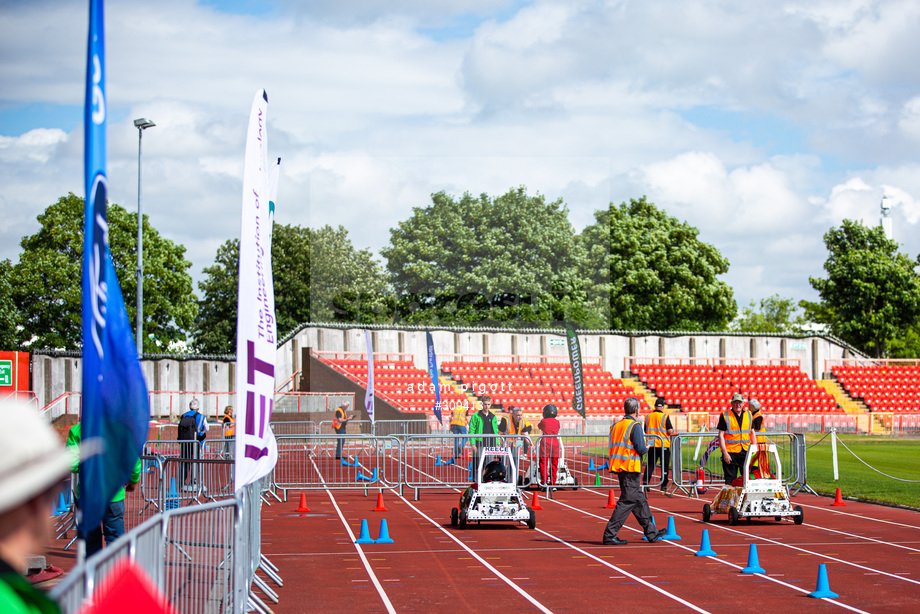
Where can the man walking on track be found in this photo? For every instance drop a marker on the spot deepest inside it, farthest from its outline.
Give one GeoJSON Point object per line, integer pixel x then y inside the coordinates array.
{"type": "Point", "coordinates": [627, 445]}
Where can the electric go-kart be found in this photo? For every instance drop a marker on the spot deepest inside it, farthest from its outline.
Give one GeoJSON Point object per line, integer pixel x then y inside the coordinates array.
{"type": "Point", "coordinates": [756, 497]}
{"type": "Point", "coordinates": [494, 496]}
{"type": "Point", "coordinates": [531, 476]}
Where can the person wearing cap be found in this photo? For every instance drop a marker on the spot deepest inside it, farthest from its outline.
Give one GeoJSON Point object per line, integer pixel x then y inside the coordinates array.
{"type": "Point", "coordinates": [33, 464]}
{"type": "Point", "coordinates": [627, 445]}
{"type": "Point", "coordinates": [659, 423]}
{"type": "Point", "coordinates": [339, 425]}
{"type": "Point", "coordinates": [517, 425]}
{"type": "Point", "coordinates": [735, 438]}
{"type": "Point", "coordinates": [113, 520]}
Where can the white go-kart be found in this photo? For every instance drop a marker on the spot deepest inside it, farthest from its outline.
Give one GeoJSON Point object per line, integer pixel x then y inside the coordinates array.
{"type": "Point", "coordinates": [494, 496]}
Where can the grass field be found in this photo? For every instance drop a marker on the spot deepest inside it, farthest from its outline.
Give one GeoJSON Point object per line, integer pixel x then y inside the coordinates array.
{"type": "Point", "coordinates": [899, 458]}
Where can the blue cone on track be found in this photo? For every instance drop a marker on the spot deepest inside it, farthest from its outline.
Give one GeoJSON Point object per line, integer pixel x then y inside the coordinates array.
{"type": "Point", "coordinates": [384, 533]}
{"type": "Point", "coordinates": [823, 587]}
{"type": "Point", "coordinates": [362, 478]}
{"type": "Point", "coordinates": [671, 534]}
{"type": "Point", "coordinates": [61, 506]}
{"type": "Point", "coordinates": [365, 536]}
{"type": "Point", "coordinates": [753, 565]}
{"type": "Point", "coordinates": [172, 498]}
{"type": "Point", "coordinates": [705, 548]}
{"type": "Point", "coordinates": [603, 467]}
{"type": "Point", "coordinates": [437, 462]}
{"type": "Point", "coordinates": [591, 466]}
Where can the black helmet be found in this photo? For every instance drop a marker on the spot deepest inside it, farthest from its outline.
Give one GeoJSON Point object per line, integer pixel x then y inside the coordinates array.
{"type": "Point", "coordinates": [550, 411]}
{"type": "Point", "coordinates": [493, 472]}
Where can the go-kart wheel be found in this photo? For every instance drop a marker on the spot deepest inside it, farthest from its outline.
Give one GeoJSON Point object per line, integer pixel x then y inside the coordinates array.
{"type": "Point", "coordinates": [732, 516]}
{"type": "Point", "coordinates": [801, 516]}
{"type": "Point", "coordinates": [532, 521]}
{"type": "Point", "coordinates": [454, 517]}
{"type": "Point", "coordinates": [707, 512]}
{"type": "Point", "coordinates": [462, 520]}
{"type": "Point", "coordinates": [576, 484]}
{"type": "Point", "coordinates": [778, 518]}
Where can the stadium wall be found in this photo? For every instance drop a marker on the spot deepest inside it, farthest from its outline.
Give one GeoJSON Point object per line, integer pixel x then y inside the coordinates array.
{"type": "Point", "coordinates": [55, 373]}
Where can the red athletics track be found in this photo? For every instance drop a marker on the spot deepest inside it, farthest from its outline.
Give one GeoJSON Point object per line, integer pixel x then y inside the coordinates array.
{"type": "Point", "coordinates": [872, 555]}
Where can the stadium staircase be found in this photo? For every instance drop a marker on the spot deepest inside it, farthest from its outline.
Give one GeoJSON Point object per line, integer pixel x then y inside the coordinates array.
{"type": "Point", "coordinates": [640, 390]}
{"type": "Point", "coordinates": [834, 389]}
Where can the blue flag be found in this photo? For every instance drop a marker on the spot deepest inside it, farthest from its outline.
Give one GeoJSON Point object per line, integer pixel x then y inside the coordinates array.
{"type": "Point", "coordinates": [115, 406]}
{"type": "Point", "coordinates": [433, 371]}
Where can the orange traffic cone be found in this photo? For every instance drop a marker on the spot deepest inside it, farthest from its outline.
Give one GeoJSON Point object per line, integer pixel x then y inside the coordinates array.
{"type": "Point", "coordinates": [838, 499]}
{"type": "Point", "coordinates": [380, 507]}
{"type": "Point", "coordinates": [611, 503]}
{"type": "Point", "coordinates": [303, 503]}
{"type": "Point", "coordinates": [535, 503]}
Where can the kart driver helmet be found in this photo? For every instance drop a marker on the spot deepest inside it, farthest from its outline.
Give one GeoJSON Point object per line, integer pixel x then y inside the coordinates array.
{"type": "Point", "coordinates": [550, 411]}
{"type": "Point", "coordinates": [494, 471]}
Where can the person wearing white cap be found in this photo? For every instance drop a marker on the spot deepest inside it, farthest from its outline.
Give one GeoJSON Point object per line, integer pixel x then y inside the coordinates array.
{"type": "Point", "coordinates": [33, 463]}
{"type": "Point", "coordinates": [339, 423]}
{"type": "Point", "coordinates": [735, 438]}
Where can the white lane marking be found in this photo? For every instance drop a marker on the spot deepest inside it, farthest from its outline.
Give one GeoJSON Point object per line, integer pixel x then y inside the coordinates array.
{"type": "Point", "coordinates": [738, 567]}
{"type": "Point", "coordinates": [351, 535]}
{"type": "Point", "coordinates": [485, 563]}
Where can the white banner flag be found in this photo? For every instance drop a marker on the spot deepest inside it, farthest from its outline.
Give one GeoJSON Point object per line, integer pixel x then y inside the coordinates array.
{"type": "Point", "coordinates": [369, 394]}
{"type": "Point", "coordinates": [256, 332]}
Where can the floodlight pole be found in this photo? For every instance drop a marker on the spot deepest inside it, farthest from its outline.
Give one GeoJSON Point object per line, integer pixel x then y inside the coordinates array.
{"type": "Point", "coordinates": [141, 124]}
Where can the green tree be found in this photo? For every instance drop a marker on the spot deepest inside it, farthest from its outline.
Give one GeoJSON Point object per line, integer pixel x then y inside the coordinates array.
{"type": "Point", "coordinates": [871, 294]}
{"type": "Point", "coordinates": [508, 260]}
{"type": "Point", "coordinates": [310, 269]}
{"type": "Point", "coordinates": [775, 315]}
{"type": "Point", "coordinates": [9, 314]}
{"type": "Point", "coordinates": [47, 279]}
{"type": "Point", "coordinates": [654, 272]}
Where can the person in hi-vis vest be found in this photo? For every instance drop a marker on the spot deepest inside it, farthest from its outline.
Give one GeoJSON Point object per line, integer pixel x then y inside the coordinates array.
{"type": "Point", "coordinates": [339, 424]}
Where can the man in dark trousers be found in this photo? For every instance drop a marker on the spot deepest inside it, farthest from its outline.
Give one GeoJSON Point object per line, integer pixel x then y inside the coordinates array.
{"type": "Point", "coordinates": [193, 428]}
{"type": "Point", "coordinates": [736, 436]}
{"type": "Point", "coordinates": [627, 445]}
{"type": "Point", "coordinates": [659, 423]}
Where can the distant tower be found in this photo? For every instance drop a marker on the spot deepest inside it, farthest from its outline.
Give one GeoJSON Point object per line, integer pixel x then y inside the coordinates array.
{"type": "Point", "coordinates": [886, 218]}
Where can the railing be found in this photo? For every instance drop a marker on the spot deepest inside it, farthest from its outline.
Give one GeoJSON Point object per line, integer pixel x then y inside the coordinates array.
{"type": "Point", "coordinates": [628, 361]}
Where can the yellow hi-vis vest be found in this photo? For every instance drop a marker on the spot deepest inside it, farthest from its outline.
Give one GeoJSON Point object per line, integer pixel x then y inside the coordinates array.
{"type": "Point", "coordinates": [623, 455]}
{"type": "Point", "coordinates": [760, 438]}
{"type": "Point", "coordinates": [229, 427]}
{"type": "Point", "coordinates": [655, 424]}
{"type": "Point", "coordinates": [738, 436]}
{"type": "Point", "coordinates": [458, 416]}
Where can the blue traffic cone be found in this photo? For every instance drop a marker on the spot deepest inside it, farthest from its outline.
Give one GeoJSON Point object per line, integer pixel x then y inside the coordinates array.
{"type": "Point", "coordinates": [823, 588]}
{"type": "Point", "coordinates": [603, 467]}
{"type": "Point", "coordinates": [437, 462]}
{"type": "Point", "coordinates": [362, 478]}
{"type": "Point", "coordinates": [365, 536]}
{"type": "Point", "coordinates": [705, 548]}
{"type": "Point", "coordinates": [671, 534]}
{"type": "Point", "coordinates": [591, 466]}
{"type": "Point", "coordinates": [753, 565]}
{"type": "Point", "coordinates": [384, 533]}
{"type": "Point", "coordinates": [470, 469]}
{"type": "Point", "coordinates": [61, 506]}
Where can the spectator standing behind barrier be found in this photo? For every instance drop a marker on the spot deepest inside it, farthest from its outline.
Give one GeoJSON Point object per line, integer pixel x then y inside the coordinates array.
{"type": "Point", "coordinates": [735, 438]}
{"type": "Point", "coordinates": [113, 520]}
{"type": "Point", "coordinates": [517, 425]}
{"type": "Point", "coordinates": [549, 445]}
{"type": "Point", "coordinates": [627, 445]}
{"type": "Point", "coordinates": [33, 464]}
{"type": "Point", "coordinates": [761, 462]}
{"type": "Point", "coordinates": [340, 426]}
{"type": "Point", "coordinates": [229, 430]}
{"type": "Point", "coordinates": [458, 425]}
{"type": "Point", "coordinates": [483, 422]}
{"type": "Point", "coordinates": [659, 423]}
{"type": "Point", "coordinates": [193, 428]}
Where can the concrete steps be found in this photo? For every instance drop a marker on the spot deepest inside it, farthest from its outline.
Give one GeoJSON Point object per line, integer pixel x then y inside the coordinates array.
{"type": "Point", "coordinates": [843, 399]}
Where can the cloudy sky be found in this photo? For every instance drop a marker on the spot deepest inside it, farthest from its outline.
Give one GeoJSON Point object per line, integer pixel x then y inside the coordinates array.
{"type": "Point", "coordinates": [763, 124]}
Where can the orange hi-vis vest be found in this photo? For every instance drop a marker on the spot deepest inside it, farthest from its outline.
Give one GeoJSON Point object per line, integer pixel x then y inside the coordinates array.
{"type": "Point", "coordinates": [229, 427]}
{"type": "Point", "coordinates": [760, 438]}
{"type": "Point", "coordinates": [458, 416]}
{"type": "Point", "coordinates": [623, 455]}
{"type": "Point", "coordinates": [655, 424]}
{"type": "Point", "coordinates": [339, 418]}
{"type": "Point", "coordinates": [516, 430]}
{"type": "Point", "coordinates": [738, 436]}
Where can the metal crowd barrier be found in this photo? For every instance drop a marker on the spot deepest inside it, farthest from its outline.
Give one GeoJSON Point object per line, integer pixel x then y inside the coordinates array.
{"type": "Point", "coordinates": [309, 462]}
{"type": "Point", "coordinates": [190, 554]}
{"type": "Point", "coordinates": [689, 449]}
